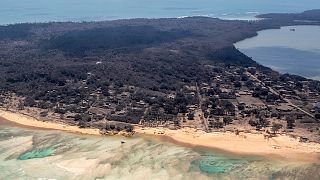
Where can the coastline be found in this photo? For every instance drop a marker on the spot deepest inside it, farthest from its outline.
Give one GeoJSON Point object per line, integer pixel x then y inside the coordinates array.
{"type": "Point", "coordinates": [282, 146]}
{"type": "Point", "coordinates": [29, 121]}
{"type": "Point", "coordinates": [277, 55]}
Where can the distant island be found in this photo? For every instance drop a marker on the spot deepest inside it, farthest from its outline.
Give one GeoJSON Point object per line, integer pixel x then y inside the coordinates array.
{"type": "Point", "coordinates": [156, 77]}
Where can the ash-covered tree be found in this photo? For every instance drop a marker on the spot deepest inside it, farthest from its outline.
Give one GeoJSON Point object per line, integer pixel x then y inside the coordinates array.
{"type": "Point", "coordinates": [191, 116]}
{"type": "Point", "coordinates": [290, 122]}
{"type": "Point", "coordinates": [29, 102]}
{"type": "Point", "coordinates": [276, 127]}
{"type": "Point", "coordinates": [227, 120]}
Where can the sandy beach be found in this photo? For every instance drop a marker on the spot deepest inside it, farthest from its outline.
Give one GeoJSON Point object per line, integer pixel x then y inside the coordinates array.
{"type": "Point", "coordinates": [245, 143]}
{"type": "Point", "coordinates": [281, 146]}
{"type": "Point", "coordinates": [33, 122]}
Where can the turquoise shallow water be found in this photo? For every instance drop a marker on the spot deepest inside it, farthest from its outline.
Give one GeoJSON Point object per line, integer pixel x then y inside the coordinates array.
{"type": "Point", "coordinates": [40, 153]}
{"type": "Point", "coordinates": [34, 154]}
{"type": "Point", "coordinates": [213, 164]}
{"type": "Point", "coordinates": [15, 11]}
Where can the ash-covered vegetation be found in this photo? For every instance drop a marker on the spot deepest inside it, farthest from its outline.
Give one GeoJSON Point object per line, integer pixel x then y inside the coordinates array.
{"type": "Point", "coordinates": [15, 32]}
{"type": "Point", "coordinates": [311, 15]}
{"type": "Point", "coordinates": [80, 42]}
{"type": "Point", "coordinates": [143, 71]}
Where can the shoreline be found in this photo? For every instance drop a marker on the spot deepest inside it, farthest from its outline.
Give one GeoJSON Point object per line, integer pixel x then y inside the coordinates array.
{"type": "Point", "coordinates": [31, 122]}
{"type": "Point", "coordinates": [250, 48]}
{"type": "Point", "coordinates": [281, 146]}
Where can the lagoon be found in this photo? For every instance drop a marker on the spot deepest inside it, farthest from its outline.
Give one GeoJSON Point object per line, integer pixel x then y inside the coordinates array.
{"type": "Point", "coordinates": [291, 49]}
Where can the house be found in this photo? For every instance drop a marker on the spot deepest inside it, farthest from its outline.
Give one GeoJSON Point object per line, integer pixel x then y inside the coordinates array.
{"type": "Point", "coordinates": [121, 113]}
{"type": "Point", "coordinates": [171, 96]}
{"type": "Point", "coordinates": [71, 115]}
{"type": "Point", "coordinates": [192, 107]}
{"type": "Point", "coordinates": [284, 108]}
{"type": "Point", "coordinates": [242, 93]}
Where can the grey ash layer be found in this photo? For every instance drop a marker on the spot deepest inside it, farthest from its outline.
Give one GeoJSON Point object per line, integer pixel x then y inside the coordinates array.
{"type": "Point", "coordinates": [161, 72]}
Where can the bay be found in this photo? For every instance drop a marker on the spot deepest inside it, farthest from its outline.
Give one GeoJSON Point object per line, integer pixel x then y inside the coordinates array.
{"type": "Point", "coordinates": [291, 49]}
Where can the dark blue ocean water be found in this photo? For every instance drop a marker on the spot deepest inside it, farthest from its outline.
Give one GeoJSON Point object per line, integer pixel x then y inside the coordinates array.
{"type": "Point", "coordinates": [14, 11]}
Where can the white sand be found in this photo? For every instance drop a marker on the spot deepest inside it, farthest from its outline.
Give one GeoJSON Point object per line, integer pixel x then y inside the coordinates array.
{"type": "Point", "coordinates": [33, 122]}
{"type": "Point", "coordinates": [244, 143]}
